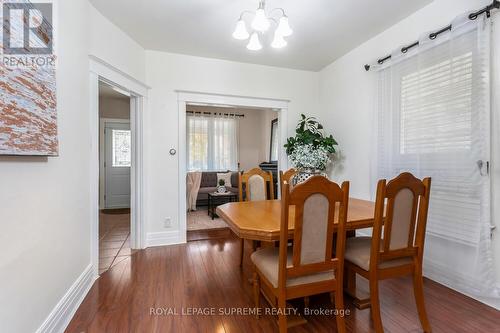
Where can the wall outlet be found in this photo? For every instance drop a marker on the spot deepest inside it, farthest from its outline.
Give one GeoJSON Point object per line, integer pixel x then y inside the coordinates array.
{"type": "Point", "coordinates": [168, 222]}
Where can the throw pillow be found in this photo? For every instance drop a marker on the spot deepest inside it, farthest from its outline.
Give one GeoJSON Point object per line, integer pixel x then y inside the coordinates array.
{"type": "Point", "coordinates": [226, 177]}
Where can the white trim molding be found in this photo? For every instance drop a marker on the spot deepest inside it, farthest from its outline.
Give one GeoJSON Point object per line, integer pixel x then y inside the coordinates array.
{"type": "Point", "coordinates": [60, 317]}
{"type": "Point", "coordinates": [100, 71]}
{"type": "Point", "coordinates": [164, 238]}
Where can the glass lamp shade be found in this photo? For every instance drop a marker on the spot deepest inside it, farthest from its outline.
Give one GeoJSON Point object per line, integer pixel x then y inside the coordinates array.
{"type": "Point", "coordinates": [284, 27]}
{"type": "Point", "coordinates": [260, 22]}
{"type": "Point", "coordinates": [240, 32]}
{"type": "Point", "coordinates": [254, 44]}
{"type": "Point", "coordinates": [278, 41]}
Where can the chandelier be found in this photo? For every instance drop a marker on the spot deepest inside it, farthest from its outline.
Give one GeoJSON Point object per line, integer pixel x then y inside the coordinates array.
{"type": "Point", "coordinates": [260, 24]}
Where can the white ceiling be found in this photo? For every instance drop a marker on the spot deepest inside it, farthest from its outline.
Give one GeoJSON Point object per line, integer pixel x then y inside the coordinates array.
{"type": "Point", "coordinates": [107, 91]}
{"type": "Point", "coordinates": [324, 30]}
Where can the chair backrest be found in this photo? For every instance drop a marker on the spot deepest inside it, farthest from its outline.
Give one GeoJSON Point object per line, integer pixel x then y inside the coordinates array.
{"type": "Point", "coordinates": [286, 177]}
{"type": "Point", "coordinates": [401, 234]}
{"type": "Point", "coordinates": [257, 182]}
{"type": "Point", "coordinates": [315, 202]}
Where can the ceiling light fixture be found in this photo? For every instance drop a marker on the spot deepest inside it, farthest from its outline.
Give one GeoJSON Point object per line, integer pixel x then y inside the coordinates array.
{"type": "Point", "coordinates": [260, 24]}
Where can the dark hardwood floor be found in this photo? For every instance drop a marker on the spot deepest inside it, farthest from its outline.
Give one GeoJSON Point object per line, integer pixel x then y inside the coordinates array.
{"type": "Point", "coordinates": [205, 273]}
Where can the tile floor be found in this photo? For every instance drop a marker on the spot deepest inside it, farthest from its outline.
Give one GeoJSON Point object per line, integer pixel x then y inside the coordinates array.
{"type": "Point", "coordinates": [114, 239]}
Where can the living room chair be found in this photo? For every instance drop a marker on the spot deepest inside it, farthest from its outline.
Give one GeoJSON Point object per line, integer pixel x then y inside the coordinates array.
{"type": "Point", "coordinates": [308, 267]}
{"type": "Point", "coordinates": [396, 247]}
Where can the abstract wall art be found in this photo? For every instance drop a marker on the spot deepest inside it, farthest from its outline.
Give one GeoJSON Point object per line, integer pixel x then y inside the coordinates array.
{"type": "Point", "coordinates": [28, 116]}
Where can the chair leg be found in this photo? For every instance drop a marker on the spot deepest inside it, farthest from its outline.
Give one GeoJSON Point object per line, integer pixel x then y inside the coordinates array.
{"type": "Point", "coordinates": [339, 305]}
{"type": "Point", "coordinates": [350, 281]}
{"type": "Point", "coordinates": [282, 323]}
{"type": "Point", "coordinates": [418, 288]}
{"type": "Point", "coordinates": [375, 306]}
{"type": "Point", "coordinates": [242, 251]}
{"type": "Point", "coordinates": [306, 301]}
{"type": "Point", "coordinates": [256, 292]}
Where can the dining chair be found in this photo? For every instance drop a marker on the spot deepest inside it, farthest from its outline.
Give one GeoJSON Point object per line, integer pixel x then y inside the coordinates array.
{"type": "Point", "coordinates": [309, 266]}
{"type": "Point", "coordinates": [258, 186]}
{"type": "Point", "coordinates": [287, 177]}
{"type": "Point", "coordinates": [396, 247]}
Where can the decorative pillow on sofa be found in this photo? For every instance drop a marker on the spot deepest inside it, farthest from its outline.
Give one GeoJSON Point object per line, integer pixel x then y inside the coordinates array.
{"type": "Point", "coordinates": [226, 177]}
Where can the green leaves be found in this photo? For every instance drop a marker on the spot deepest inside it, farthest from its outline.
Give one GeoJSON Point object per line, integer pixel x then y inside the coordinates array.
{"type": "Point", "coordinates": [309, 132]}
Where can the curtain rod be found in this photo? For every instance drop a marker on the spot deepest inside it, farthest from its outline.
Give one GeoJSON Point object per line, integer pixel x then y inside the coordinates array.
{"type": "Point", "coordinates": [217, 113]}
{"type": "Point", "coordinates": [486, 10]}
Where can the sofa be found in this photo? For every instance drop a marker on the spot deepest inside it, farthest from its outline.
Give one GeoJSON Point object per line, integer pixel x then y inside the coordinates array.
{"type": "Point", "coordinates": [209, 185]}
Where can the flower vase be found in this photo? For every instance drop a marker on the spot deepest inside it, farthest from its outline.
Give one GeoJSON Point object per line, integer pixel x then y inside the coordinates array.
{"type": "Point", "coordinates": [304, 174]}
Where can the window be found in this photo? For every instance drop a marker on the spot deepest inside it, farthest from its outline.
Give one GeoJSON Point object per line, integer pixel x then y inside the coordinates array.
{"type": "Point", "coordinates": [212, 143]}
{"type": "Point", "coordinates": [121, 142]}
{"type": "Point", "coordinates": [433, 121]}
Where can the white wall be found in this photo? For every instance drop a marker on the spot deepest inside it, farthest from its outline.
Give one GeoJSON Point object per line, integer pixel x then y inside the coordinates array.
{"type": "Point", "coordinates": [347, 95]}
{"type": "Point", "coordinates": [112, 45]}
{"type": "Point", "coordinates": [114, 108]}
{"type": "Point", "coordinates": [45, 202]}
{"type": "Point", "coordinates": [168, 72]}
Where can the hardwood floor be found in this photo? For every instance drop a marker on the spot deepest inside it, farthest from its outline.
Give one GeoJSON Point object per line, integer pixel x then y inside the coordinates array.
{"type": "Point", "coordinates": [204, 274]}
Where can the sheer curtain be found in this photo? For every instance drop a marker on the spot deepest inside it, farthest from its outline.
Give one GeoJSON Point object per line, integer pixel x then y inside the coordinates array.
{"type": "Point", "coordinates": [434, 120]}
{"type": "Point", "coordinates": [212, 142]}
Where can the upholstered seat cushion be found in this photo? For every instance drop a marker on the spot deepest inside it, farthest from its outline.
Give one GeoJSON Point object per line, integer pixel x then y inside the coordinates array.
{"type": "Point", "coordinates": [357, 251]}
{"type": "Point", "coordinates": [267, 259]}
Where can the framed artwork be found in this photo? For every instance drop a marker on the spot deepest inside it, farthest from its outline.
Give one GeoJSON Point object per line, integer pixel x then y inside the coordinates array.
{"type": "Point", "coordinates": [28, 103]}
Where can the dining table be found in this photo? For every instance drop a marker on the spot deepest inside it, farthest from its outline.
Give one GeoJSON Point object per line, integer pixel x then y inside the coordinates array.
{"type": "Point", "coordinates": [261, 221]}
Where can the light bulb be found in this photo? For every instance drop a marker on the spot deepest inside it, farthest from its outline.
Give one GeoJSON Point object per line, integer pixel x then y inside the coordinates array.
{"type": "Point", "coordinates": [254, 44]}
{"type": "Point", "coordinates": [284, 27]}
{"type": "Point", "coordinates": [240, 32]}
{"type": "Point", "coordinates": [278, 41]}
{"type": "Point", "coordinates": [260, 22]}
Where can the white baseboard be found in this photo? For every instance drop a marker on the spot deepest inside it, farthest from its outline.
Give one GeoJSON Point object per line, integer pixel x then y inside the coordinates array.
{"type": "Point", "coordinates": [165, 238]}
{"type": "Point", "coordinates": [63, 312]}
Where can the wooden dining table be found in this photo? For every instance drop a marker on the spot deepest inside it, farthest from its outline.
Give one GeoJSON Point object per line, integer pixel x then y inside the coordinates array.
{"type": "Point", "coordinates": [260, 220]}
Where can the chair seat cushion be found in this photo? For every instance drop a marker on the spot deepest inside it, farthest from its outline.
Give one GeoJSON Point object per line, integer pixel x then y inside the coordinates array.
{"type": "Point", "coordinates": [357, 251]}
{"type": "Point", "coordinates": [266, 261]}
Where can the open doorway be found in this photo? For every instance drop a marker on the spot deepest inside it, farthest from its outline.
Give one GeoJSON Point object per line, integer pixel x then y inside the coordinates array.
{"type": "Point", "coordinates": [221, 142]}
{"type": "Point", "coordinates": [115, 160]}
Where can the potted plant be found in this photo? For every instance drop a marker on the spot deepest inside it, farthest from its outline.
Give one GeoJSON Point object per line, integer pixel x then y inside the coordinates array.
{"type": "Point", "coordinates": [310, 151]}
{"type": "Point", "coordinates": [222, 186]}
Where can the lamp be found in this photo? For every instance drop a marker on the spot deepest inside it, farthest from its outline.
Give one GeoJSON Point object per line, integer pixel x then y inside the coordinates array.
{"type": "Point", "coordinates": [241, 32]}
{"type": "Point", "coordinates": [254, 44]}
{"type": "Point", "coordinates": [260, 24]}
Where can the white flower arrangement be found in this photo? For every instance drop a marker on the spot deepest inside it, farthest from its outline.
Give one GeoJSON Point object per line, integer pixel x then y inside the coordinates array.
{"type": "Point", "coordinates": [308, 157]}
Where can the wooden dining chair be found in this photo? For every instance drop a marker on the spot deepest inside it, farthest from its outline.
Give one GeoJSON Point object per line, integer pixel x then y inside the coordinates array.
{"type": "Point", "coordinates": [287, 177]}
{"type": "Point", "coordinates": [396, 247]}
{"type": "Point", "coordinates": [258, 187]}
{"type": "Point", "coordinates": [308, 267]}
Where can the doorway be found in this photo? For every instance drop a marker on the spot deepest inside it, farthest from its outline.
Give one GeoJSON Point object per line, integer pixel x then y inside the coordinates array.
{"type": "Point", "coordinates": [228, 105]}
{"type": "Point", "coordinates": [115, 159]}
{"type": "Point", "coordinates": [121, 150]}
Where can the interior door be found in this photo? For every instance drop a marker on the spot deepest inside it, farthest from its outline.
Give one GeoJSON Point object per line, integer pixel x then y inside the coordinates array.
{"type": "Point", "coordinates": [117, 164]}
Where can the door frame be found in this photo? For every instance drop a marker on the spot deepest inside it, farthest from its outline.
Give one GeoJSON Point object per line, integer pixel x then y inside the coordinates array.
{"type": "Point", "coordinates": [102, 155]}
{"type": "Point", "coordinates": [193, 97]}
{"type": "Point", "coordinates": [101, 71]}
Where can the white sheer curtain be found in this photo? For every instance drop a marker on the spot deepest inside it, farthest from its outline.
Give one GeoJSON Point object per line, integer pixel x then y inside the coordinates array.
{"type": "Point", "coordinates": [434, 120]}
{"type": "Point", "coordinates": [212, 142]}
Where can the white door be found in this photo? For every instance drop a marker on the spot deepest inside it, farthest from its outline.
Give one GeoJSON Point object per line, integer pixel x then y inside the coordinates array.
{"type": "Point", "coordinates": [117, 143]}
